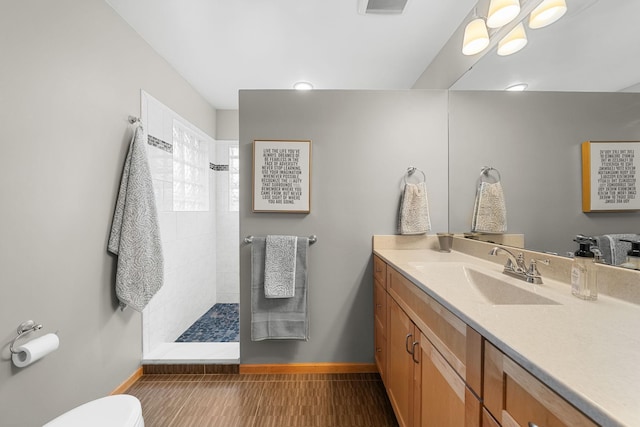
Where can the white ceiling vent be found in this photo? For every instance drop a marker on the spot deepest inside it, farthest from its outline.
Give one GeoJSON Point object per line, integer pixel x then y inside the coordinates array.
{"type": "Point", "coordinates": [381, 6]}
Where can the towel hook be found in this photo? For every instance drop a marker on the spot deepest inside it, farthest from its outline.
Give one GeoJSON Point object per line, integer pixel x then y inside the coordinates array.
{"type": "Point", "coordinates": [134, 120]}
{"type": "Point", "coordinates": [411, 170]}
{"type": "Point", "coordinates": [485, 172]}
{"type": "Point", "coordinates": [24, 328]}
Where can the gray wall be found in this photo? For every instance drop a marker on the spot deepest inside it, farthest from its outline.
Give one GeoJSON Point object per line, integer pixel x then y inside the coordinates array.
{"type": "Point", "coordinates": [534, 140]}
{"type": "Point", "coordinates": [363, 143]}
{"type": "Point", "coordinates": [71, 73]}
{"type": "Point", "coordinates": [227, 126]}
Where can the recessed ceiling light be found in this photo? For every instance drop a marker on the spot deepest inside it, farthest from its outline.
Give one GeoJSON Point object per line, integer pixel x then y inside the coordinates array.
{"type": "Point", "coordinates": [302, 86]}
{"type": "Point", "coordinates": [520, 87]}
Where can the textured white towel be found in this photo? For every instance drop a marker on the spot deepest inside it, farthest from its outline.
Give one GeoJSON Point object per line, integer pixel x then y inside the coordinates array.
{"type": "Point", "coordinates": [135, 234]}
{"type": "Point", "coordinates": [414, 210]}
{"type": "Point", "coordinates": [280, 267]}
{"type": "Point", "coordinates": [489, 211]}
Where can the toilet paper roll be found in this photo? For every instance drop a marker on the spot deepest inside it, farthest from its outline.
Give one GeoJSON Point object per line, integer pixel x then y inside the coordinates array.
{"type": "Point", "coordinates": [34, 350]}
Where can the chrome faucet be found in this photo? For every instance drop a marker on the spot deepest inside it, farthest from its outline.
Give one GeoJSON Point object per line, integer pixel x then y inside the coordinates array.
{"type": "Point", "coordinates": [516, 266]}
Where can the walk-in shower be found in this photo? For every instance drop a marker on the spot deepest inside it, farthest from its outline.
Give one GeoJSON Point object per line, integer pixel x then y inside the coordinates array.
{"type": "Point", "coordinates": [194, 315]}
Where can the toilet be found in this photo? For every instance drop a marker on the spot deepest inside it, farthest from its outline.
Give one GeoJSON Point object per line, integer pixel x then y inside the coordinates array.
{"type": "Point", "coordinates": [120, 410]}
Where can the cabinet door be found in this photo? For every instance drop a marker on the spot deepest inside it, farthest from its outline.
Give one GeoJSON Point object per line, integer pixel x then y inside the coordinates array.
{"type": "Point", "coordinates": [445, 401]}
{"type": "Point", "coordinates": [516, 398]}
{"type": "Point", "coordinates": [400, 336]}
{"type": "Point", "coordinates": [380, 342]}
{"type": "Point", "coordinates": [459, 344]}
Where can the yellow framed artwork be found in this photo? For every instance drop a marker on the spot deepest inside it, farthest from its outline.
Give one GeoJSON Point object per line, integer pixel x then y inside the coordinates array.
{"type": "Point", "coordinates": [610, 176]}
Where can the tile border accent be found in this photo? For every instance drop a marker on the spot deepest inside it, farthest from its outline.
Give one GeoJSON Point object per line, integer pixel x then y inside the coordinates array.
{"type": "Point", "coordinates": [158, 143]}
{"type": "Point", "coordinates": [310, 368]}
{"type": "Point", "coordinates": [190, 369]}
{"type": "Point", "coordinates": [219, 168]}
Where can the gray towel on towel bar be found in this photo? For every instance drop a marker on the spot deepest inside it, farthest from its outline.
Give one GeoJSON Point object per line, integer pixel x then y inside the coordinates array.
{"type": "Point", "coordinates": [278, 318]}
{"type": "Point", "coordinates": [613, 250]}
{"type": "Point", "coordinates": [135, 234]}
{"type": "Point", "coordinates": [280, 267]}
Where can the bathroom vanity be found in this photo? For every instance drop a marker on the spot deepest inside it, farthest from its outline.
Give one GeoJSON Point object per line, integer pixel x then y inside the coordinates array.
{"type": "Point", "coordinates": [458, 343]}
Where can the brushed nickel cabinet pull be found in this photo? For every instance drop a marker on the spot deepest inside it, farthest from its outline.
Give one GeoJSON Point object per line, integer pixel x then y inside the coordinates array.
{"type": "Point", "coordinates": [413, 352]}
{"type": "Point", "coordinates": [406, 343]}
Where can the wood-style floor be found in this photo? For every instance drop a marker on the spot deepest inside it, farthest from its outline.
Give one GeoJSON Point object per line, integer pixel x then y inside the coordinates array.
{"type": "Point", "coordinates": [270, 400]}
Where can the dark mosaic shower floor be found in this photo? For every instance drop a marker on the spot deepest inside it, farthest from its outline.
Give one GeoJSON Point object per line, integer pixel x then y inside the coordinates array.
{"type": "Point", "coordinates": [219, 324]}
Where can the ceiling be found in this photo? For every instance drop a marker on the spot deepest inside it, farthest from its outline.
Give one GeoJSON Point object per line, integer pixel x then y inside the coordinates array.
{"type": "Point", "coordinates": [222, 46]}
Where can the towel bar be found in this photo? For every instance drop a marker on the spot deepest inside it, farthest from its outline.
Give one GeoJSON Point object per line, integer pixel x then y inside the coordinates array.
{"type": "Point", "coordinates": [312, 239]}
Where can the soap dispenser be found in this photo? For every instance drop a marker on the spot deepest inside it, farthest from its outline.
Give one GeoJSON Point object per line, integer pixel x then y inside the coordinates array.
{"type": "Point", "coordinates": [633, 256]}
{"type": "Point", "coordinates": [583, 270]}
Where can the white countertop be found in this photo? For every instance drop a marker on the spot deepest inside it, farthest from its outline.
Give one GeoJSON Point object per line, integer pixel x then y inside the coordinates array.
{"type": "Point", "coordinates": [586, 351]}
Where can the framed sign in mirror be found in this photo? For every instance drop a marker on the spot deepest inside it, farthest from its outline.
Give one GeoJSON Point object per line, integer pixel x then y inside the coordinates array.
{"type": "Point", "coordinates": [610, 176]}
{"type": "Point", "coordinates": [281, 176]}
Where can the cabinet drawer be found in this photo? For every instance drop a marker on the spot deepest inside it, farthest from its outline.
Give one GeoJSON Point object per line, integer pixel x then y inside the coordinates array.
{"type": "Point", "coordinates": [380, 271]}
{"type": "Point", "coordinates": [459, 344]}
{"type": "Point", "coordinates": [516, 398]}
{"type": "Point", "coordinates": [380, 307]}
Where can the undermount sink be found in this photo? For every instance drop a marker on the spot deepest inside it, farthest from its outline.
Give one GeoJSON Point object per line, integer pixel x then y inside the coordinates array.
{"type": "Point", "coordinates": [501, 292]}
{"type": "Point", "coordinates": [494, 290]}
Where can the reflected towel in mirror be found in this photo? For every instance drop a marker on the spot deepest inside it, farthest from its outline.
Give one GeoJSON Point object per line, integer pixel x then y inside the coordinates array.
{"type": "Point", "coordinates": [489, 210]}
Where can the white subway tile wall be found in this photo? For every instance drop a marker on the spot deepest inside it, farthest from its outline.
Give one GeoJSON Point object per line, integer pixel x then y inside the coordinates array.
{"type": "Point", "coordinates": [227, 220]}
{"type": "Point", "coordinates": [187, 225]}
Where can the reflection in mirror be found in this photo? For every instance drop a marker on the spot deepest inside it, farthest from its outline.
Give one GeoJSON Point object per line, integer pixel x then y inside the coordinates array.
{"type": "Point", "coordinates": [593, 47]}
{"type": "Point", "coordinates": [534, 139]}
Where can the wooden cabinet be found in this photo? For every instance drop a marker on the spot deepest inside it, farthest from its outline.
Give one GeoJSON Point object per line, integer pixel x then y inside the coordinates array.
{"type": "Point", "coordinates": [459, 345]}
{"type": "Point", "coordinates": [445, 398]}
{"type": "Point", "coordinates": [423, 387]}
{"type": "Point", "coordinates": [516, 398]}
{"type": "Point", "coordinates": [439, 372]}
{"type": "Point", "coordinates": [379, 270]}
{"type": "Point", "coordinates": [380, 315]}
{"type": "Point", "coordinates": [380, 330]}
{"type": "Point", "coordinates": [400, 369]}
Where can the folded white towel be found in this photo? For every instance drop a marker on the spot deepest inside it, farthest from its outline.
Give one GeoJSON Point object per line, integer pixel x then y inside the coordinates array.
{"type": "Point", "coordinates": [489, 211]}
{"type": "Point", "coordinates": [414, 210]}
{"type": "Point", "coordinates": [280, 266]}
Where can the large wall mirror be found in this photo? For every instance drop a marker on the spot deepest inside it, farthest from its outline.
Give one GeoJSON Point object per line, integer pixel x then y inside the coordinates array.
{"type": "Point", "coordinates": [582, 73]}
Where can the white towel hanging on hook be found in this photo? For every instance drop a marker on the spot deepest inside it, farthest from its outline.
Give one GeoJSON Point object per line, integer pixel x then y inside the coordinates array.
{"type": "Point", "coordinates": [489, 210]}
{"type": "Point", "coordinates": [413, 216]}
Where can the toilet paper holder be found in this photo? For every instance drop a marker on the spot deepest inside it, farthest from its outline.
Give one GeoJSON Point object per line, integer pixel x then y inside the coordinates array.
{"type": "Point", "coordinates": [24, 328]}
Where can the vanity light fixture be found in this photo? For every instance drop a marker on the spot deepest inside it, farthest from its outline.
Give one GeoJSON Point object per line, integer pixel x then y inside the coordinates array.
{"type": "Point", "coordinates": [519, 87]}
{"type": "Point", "coordinates": [547, 12]}
{"type": "Point", "coordinates": [513, 42]}
{"type": "Point", "coordinates": [476, 37]}
{"type": "Point", "coordinates": [302, 86]}
{"type": "Point", "coordinates": [501, 12]}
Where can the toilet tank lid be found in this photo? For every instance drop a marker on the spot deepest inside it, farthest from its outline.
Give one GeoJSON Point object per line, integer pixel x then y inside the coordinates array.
{"type": "Point", "coordinates": [116, 410]}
